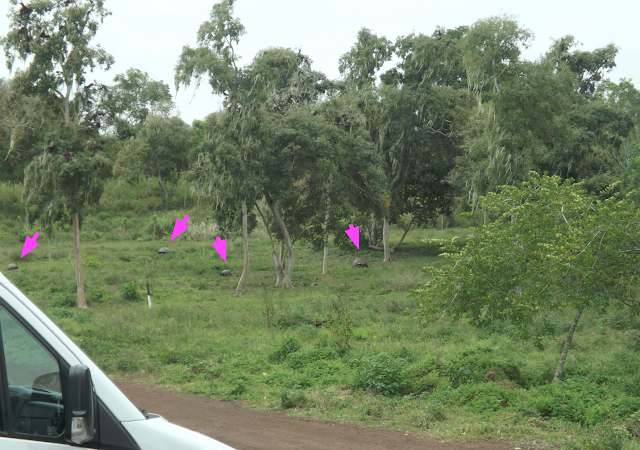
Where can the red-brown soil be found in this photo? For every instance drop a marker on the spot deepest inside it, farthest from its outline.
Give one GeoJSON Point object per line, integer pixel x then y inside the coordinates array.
{"type": "Point", "coordinates": [249, 429]}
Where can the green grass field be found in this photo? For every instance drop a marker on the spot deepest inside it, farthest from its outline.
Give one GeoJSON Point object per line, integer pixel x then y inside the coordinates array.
{"type": "Point", "coordinates": [347, 346]}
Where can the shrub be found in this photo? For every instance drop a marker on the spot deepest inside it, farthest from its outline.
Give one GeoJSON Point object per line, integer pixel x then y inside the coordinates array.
{"type": "Point", "coordinates": [633, 425]}
{"type": "Point", "coordinates": [291, 345]}
{"type": "Point", "coordinates": [290, 399]}
{"type": "Point", "coordinates": [611, 438]}
{"type": "Point", "coordinates": [341, 325]}
{"type": "Point", "coordinates": [381, 374]}
{"type": "Point", "coordinates": [97, 295]}
{"type": "Point", "coordinates": [435, 412]}
{"type": "Point", "coordinates": [304, 358]}
{"type": "Point", "coordinates": [68, 297]}
{"type": "Point", "coordinates": [130, 292]}
{"type": "Point", "coordinates": [485, 397]}
{"type": "Point", "coordinates": [92, 262]}
{"type": "Point", "coordinates": [169, 355]}
{"type": "Point", "coordinates": [581, 401]}
{"type": "Point", "coordinates": [239, 386]}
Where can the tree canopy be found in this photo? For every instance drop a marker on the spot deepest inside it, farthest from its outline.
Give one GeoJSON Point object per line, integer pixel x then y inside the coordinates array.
{"type": "Point", "coordinates": [552, 246]}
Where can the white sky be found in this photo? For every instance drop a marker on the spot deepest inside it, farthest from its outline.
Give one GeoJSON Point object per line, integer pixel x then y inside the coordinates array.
{"type": "Point", "coordinates": [149, 34]}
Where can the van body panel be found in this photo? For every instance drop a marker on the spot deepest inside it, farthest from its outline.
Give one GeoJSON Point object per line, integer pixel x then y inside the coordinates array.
{"type": "Point", "coordinates": [153, 433]}
{"type": "Point", "coordinates": [23, 444]}
{"type": "Point", "coordinates": [159, 434]}
{"type": "Point", "coordinates": [119, 405]}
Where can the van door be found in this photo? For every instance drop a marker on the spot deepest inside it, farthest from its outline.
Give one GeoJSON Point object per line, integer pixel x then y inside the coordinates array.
{"type": "Point", "coordinates": [31, 389]}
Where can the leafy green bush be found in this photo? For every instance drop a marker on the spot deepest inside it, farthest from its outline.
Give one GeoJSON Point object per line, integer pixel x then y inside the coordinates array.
{"type": "Point", "coordinates": [291, 345]}
{"type": "Point", "coordinates": [611, 438]}
{"type": "Point", "coordinates": [341, 325]}
{"type": "Point", "coordinates": [290, 399]}
{"type": "Point", "coordinates": [130, 292]}
{"type": "Point", "coordinates": [485, 397]}
{"type": "Point", "coordinates": [382, 374]}
{"type": "Point", "coordinates": [289, 379]}
{"type": "Point", "coordinates": [581, 401]}
{"type": "Point", "coordinates": [303, 358]}
{"type": "Point", "coordinates": [169, 355]}
{"type": "Point", "coordinates": [90, 261]}
{"type": "Point", "coordinates": [239, 386]}
{"type": "Point", "coordinates": [68, 296]}
{"type": "Point", "coordinates": [97, 295]}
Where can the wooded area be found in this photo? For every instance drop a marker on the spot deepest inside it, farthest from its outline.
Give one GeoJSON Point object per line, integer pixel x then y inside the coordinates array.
{"type": "Point", "coordinates": [451, 129]}
{"type": "Point", "coordinates": [458, 114]}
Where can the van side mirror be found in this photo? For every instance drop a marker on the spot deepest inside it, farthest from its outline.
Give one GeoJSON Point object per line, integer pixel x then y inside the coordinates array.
{"type": "Point", "coordinates": [79, 408]}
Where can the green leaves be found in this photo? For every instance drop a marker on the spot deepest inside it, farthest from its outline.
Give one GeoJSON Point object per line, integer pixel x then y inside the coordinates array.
{"type": "Point", "coordinates": [55, 36]}
{"type": "Point", "coordinates": [551, 246]}
{"type": "Point", "coordinates": [58, 185]}
{"type": "Point", "coordinates": [132, 98]}
{"type": "Point", "coordinates": [491, 49]}
{"type": "Point", "coordinates": [215, 55]}
{"type": "Point", "coordinates": [361, 64]}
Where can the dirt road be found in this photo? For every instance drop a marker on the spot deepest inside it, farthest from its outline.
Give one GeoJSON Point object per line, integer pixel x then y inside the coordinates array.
{"type": "Point", "coordinates": [248, 429]}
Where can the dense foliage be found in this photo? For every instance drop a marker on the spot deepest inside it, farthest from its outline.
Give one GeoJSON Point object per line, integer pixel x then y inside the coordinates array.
{"type": "Point", "coordinates": [453, 127]}
{"type": "Point", "coordinates": [551, 247]}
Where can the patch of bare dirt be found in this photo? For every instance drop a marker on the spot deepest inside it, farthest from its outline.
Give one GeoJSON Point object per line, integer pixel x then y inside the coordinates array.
{"type": "Point", "coordinates": [248, 429]}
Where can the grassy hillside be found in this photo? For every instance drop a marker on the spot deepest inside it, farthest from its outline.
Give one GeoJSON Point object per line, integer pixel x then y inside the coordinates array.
{"type": "Point", "coordinates": [347, 346]}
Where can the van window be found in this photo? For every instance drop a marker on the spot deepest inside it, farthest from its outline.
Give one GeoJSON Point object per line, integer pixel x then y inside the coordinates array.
{"type": "Point", "coordinates": [33, 375]}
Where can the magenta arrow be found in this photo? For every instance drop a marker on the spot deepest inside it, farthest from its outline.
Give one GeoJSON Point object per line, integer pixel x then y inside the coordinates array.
{"type": "Point", "coordinates": [221, 247]}
{"type": "Point", "coordinates": [354, 235]}
{"type": "Point", "coordinates": [30, 244]}
{"type": "Point", "coordinates": [180, 227]}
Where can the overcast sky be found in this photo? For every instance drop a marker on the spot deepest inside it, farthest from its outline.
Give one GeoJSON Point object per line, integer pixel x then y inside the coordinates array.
{"type": "Point", "coordinates": [149, 34]}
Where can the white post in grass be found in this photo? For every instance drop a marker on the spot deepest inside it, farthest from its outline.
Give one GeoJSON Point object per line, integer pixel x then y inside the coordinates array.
{"type": "Point", "coordinates": [148, 296]}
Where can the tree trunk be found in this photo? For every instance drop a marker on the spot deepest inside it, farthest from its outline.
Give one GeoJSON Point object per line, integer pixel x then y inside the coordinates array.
{"type": "Point", "coordinates": [276, 261]}
{"type": "Point", "coordinates": [245, 248]}
{"type": "Point", "coordinates": [406, 230]}
{"type": "Point", "coordinates": [163, 185]}
{"type": "Point", "coordinates": [385, 239]}
{"type": "Point", "coordinates": [12, 143]}
{"type": "Point", "coordinates": [67, 109]}
{"type": "Point", "coordinates": [565, 349]}
{"type": "Point", "coordinates": [150, 187]}
{"type": "Point", "coordinates": [374, 231]}
{"type": "Point", "coordinates": [325, 256]}
{"type": "Point", "coordinates": [186, 187]}
{"type": "Point", "coordinates": [82, 302]}
{"type": "Point", "coordinates": [282, 254]}
{"type": "Point", "coordinates": [287, 238]}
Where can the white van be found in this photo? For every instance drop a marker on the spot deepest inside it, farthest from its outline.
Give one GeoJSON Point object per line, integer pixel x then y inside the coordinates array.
{"type": "Point", "coordinates": [52, 396]}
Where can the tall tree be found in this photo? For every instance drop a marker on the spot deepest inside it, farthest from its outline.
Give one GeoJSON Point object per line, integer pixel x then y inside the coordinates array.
{"type": "Point", "coordinates": [551, 247]}
{"type": "Point", "coordinates": [491, 50]}
{"type": "Point", "coordinates": [55, 36]}
{"type": "Point", "coordinates": [22, 120]}
{"type": "Point", "coordinates": [540, 115]}
{"type": "Point", "coordinates": [133, 96]}
{"type": "Point", "coordinates": [215, 58]}
{"type": "Point", "coordinates": [59, 182]}
{"type": "Point", "coordinates": [161, 149]}
{"type": "Point", "coordinates": [361, 64]}
{"type": "Point", "coordinates": [411, 117]}
{"type": "Point", "coordinates": [306, 162]}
